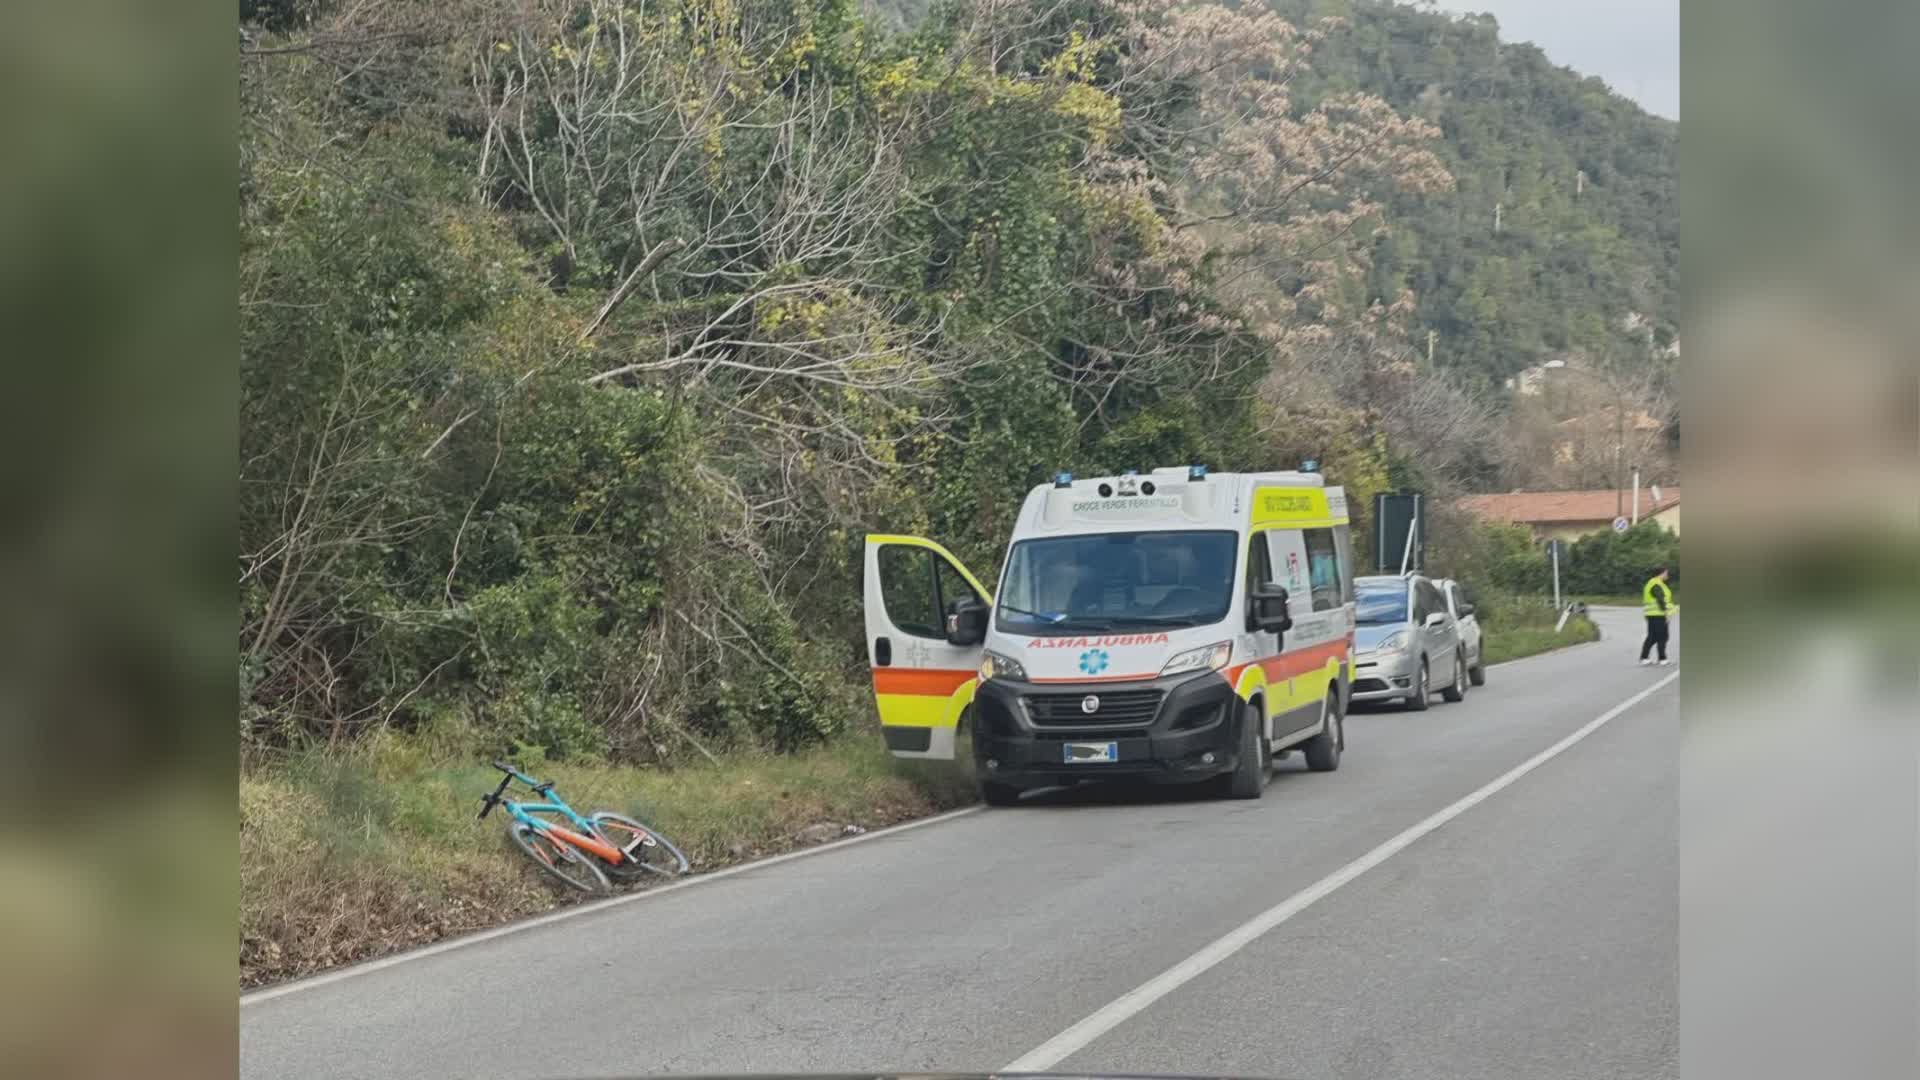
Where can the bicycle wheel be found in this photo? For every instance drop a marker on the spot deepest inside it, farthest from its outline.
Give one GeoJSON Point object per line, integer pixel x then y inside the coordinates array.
{"type": "Point", "coordinates": [649, 853]}
{"type": "Point", "coordinates": [559, 859]}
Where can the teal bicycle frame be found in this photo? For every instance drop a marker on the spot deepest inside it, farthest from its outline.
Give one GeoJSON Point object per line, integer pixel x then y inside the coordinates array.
{"type": "Point", "coordinates": [587, 839]}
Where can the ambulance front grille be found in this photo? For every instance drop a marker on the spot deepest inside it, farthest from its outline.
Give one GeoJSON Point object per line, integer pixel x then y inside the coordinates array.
{"type": "Point", "coordinates": [1117, 707]}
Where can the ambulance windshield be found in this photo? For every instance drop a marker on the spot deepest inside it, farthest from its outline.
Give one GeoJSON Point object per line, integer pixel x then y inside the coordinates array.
{"type": "Point", "coordinates": [1117, 581]}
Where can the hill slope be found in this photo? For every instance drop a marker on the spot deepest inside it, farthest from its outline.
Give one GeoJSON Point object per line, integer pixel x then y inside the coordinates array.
{"type": "Point", "coordinates": [1582, 183]}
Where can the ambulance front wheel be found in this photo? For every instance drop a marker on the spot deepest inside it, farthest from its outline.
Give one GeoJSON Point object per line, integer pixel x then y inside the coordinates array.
{"type": "Point", "coordinates": [994, 793]}
{"type": "Point", "coordinates": [1248, 780]}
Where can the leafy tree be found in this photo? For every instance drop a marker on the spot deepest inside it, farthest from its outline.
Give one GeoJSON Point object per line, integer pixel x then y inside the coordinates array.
{"type": "Point", "coordinates": [582, 339]}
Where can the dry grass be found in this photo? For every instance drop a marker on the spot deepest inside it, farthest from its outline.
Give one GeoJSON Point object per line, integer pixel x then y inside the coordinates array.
{"type": "Point", "coordinates": [344, 857]}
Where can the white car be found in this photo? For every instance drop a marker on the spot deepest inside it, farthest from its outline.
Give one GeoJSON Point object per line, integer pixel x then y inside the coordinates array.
{"type": "Point", "coordinates": [1460, 604]}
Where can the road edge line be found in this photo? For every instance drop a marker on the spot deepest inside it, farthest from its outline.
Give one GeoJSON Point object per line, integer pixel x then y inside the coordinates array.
{"type": "Point", "coordinates": [367, 967]}
{"type": "Point", "coordinates": [1111, 1015]}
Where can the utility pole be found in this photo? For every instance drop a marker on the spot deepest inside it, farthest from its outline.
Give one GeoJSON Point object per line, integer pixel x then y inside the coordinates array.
{"type": "Point", "coordinates": [1619, 452]}
{"type": "Point", "coordinates": [1496, 217]}
{"type": "Point", "coordinates": [1430, 336]}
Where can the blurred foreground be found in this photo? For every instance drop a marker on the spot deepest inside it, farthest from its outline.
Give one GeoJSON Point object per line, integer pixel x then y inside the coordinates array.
{"type": "Point", "coordinates": [1800, 837]}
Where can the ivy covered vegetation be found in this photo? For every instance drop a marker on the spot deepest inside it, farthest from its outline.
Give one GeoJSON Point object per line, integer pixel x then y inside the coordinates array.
{"type": "Point", "coordinates": [583, 339]}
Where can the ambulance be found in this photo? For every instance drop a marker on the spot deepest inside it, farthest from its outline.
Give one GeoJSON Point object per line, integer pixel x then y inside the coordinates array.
{"type": "Point", "coordinates": [1174, 627]}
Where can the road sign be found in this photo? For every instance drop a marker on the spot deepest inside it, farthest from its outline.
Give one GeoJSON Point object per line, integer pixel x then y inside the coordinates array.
{"type": "Point", "coordinates": [1400, 531]}
{"type": "Point", "coordinates": [1620, 524]}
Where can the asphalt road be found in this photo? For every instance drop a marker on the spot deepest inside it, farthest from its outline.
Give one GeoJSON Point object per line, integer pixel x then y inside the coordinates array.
{"type": "Point", "coordinates": [1397, 918]}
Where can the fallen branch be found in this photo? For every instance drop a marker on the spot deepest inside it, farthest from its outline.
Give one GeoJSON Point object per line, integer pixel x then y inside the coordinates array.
{"type": "Point", "coordinates": [647, 266]}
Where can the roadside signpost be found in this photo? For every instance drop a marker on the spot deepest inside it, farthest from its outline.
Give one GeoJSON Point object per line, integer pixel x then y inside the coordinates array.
{"type": "Point", "coordinates": [1553, 552]}
{"type": "Point", "coordinates": [1400, 531]}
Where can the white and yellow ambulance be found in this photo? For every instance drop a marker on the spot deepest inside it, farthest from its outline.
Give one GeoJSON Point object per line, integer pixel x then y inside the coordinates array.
{"type": "Point", "coordinates": [1175, 626]}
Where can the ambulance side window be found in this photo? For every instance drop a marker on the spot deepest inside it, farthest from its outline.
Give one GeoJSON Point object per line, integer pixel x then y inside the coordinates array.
{"type": "Point", "coordinates": [906, 588]}
{"type": "Point", "coordinates": [953, 587]}
{"type": "Point", "coordinates": [1343, 543]}
{"type": "Point", "coordinates": [1259, 562]}
{"type": "Point", "coordinates": [1323, 569]}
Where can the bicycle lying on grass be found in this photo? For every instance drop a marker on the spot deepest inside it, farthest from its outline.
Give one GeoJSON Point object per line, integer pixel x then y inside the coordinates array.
{"type": "Point", "coordinates": [600, 849]}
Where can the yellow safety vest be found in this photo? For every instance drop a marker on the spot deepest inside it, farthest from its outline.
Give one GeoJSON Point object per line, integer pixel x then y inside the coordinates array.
{"type": "Point", "coordinates": [1652, 606]}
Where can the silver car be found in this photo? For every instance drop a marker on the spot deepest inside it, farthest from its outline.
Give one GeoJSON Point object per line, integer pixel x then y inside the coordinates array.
{"type": "Point", "coordinates": [1472, 642]}
{"type": "Point", "coordinates": [1406, 642]}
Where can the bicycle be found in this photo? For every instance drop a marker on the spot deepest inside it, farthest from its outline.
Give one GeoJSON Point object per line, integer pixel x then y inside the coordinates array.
{"type": "Point", "coordinates": [600, 848]}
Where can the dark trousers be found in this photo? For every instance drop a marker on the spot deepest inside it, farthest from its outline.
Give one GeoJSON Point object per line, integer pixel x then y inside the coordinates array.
{"type": "Point", "coordinates": [1656, 636]}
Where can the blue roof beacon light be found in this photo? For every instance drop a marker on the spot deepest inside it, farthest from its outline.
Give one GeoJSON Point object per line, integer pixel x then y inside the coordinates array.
{"type": "Point", "coordinates": [1310, 465]}
{"type": "Point", "coordinates": [1064, 479]}
{"type": "Point", "coordinates": [1196, 472]}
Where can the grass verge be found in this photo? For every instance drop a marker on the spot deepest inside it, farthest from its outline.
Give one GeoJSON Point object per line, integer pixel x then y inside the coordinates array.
{"type": "Point", "coordinates": [1524, 627]}
{"type": "Point", "coordinates": [350, 855]}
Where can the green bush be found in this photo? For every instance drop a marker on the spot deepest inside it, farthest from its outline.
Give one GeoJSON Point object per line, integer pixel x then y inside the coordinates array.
{"type": "Point", "coordinates": [1620, 563]}
{"type": "Point", "coordinates": [1599, 564]}
{"type": "Point", "coordinates": [442, 515]}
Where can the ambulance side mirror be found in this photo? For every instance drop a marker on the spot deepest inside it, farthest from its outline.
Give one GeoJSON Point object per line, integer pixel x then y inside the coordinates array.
{"type": "Point", "coordinates": [1267, 609]}
{"type": "Point", "coordinates": [967, 622]}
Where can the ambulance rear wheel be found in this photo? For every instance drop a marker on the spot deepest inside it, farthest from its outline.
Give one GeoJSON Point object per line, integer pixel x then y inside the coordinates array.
{"type": "Point", "coordinates": [1323, 750]}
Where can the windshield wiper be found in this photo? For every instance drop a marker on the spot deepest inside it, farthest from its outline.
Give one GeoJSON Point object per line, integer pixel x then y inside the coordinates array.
{"type": "Point", "coordinates": [1096, 625]}
{"type": "Point", "coordinates": [1060, 620]}
{"type": "Point", "coordinates": [1161, 620]}
{"type": "Point", "coordinates": [1041, 615]}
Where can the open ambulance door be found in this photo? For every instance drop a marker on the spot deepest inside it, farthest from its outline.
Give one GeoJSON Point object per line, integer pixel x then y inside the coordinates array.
{"type": "Point", "coordinates": [926, 621]}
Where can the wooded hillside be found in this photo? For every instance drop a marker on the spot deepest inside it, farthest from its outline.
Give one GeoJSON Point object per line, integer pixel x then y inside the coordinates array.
{"type": "Point", "coordinates": [1564, 220]}
{"type": "Point", "coordinates": [583, 339]}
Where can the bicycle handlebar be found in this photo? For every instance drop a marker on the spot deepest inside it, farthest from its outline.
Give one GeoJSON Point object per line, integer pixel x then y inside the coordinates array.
{"type": "Point", "coordinates": [540, 788]}
{"type": "Point", "coordinates": [488, 802]}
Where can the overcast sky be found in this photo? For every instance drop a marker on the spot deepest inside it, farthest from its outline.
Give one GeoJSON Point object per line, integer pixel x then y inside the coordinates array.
{"type": "Point", "coordinates": [1633, 44]}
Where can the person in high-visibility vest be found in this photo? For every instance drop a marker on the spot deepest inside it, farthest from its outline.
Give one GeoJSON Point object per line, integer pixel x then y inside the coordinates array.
{"type": "Point", "coordinates": [1656, 601]}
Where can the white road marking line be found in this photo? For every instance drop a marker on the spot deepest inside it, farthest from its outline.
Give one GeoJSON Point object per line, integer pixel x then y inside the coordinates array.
{"type": "Point", "coordinates": [1126, 1006]}
{"type": "Point", "coordinates": [336, 975]}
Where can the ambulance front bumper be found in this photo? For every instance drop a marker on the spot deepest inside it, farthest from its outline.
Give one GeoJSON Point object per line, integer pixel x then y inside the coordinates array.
{"type": "Point", "coordinates": [1173, 730]}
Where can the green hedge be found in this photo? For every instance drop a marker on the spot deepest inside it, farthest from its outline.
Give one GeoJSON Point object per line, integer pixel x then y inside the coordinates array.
{"type": "Point", "coordinates": [1604, 563]}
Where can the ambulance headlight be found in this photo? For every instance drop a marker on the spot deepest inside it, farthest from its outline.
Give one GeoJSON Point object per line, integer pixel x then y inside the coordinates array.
{"type": "Point", "coordinates": [995, 666]}
{"type": "Point", "coordinates": [1205, 658]}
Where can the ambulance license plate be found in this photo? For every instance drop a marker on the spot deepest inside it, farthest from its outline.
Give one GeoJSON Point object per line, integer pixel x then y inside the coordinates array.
{"type": "Point", "coordinates": [1092, 753]}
